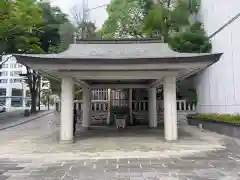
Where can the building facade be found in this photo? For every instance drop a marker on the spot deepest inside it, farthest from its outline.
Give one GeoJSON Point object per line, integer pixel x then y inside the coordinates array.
{"type": "Point", "coordinates": [218, 86]}
{"type": "Point", "coordinates": [13, 89]}
{"type": "Point", "coordinates": [14, 92]}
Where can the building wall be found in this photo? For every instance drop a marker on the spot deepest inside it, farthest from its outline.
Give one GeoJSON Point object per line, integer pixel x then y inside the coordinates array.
{"type": "Point", "coordinates": [9, 80]}
{"type": "Point", "coordinates": [218, 87]}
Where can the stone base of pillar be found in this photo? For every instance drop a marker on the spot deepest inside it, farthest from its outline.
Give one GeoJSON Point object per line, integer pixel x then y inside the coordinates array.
{"type": "Point", "coordinates": [152, 127]}
{"type": "Point", "coordinates": [171, 141]}
{"type": "Point", "coordinates": [66, 141]}
{"type": "Point", "coordinates": [108, 120]}
{"type": "Point", "coordinates": [85, 128]}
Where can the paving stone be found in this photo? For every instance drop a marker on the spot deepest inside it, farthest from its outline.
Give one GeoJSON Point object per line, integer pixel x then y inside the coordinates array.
{"type": "Point", "coordinates": [2, 177]}
{"type": "Point", "coordinates": [39, 142]}
{"type": "Point", "coordinates": [129, 174]}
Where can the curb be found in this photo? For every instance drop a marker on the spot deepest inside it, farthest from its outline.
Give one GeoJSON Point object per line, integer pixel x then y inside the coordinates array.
{"type": "Point", "coordinates": [27, 120]}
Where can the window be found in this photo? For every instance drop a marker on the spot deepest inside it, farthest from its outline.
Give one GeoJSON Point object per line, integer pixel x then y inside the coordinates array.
{"type": "Point", "coordinates": [3, 91]}
{"type": "Point", "coordinates": [14, 65]}
{"type": "Point", "coordinates": [4, 73]}
{"type": "Point", "coordinates": [15, 80]}
{"type": "Point", "coordinates": [3, 81]}
{"type": "Point", "coordinates": [5, 66]}
{"type": "Point", "coordinates": [17, 99]}
{"type": "Point", "coordinates": [19, 65]}
{"type": "Point", "coordinates": [45, 84]}
{"type": "Point", "coordinates": [17, 92]}
{"type": "Point", "coordinates": [16, 102]}
{"type": "Point", "coordinates": [15, 73]}
{"type": "Point", "coordinates": [3, 101]}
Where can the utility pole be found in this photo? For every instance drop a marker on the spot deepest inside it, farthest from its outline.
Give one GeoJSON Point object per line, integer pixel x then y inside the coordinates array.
{"type": "Point", "coordinates": [81, 16]}
{"type": "Point", "coordinates": [39, 93]}
{"type": "Point", "coordinates": [84, 17]}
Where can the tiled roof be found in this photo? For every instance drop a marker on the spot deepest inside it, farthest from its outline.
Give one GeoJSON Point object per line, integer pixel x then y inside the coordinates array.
{"type": "Point", "coordinates": [110, 50]}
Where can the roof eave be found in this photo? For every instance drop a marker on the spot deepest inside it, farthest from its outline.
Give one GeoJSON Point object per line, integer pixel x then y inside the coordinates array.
{"type": "Point", "coordinates": [24, 59]}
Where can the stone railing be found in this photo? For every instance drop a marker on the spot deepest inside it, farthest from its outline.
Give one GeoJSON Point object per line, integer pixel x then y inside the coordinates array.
{"type": "Point", "coordinates": [96, 105]}
{"type": "Point", "coordinates": [142, 106]}
{"type": "Point", "coordinates": [182, 105]}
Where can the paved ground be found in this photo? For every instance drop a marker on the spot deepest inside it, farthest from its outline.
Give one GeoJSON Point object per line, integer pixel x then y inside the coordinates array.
{"type": "Point", "coordinates": [15, 118]}
{"type": "Point", "coordinates": [9, 117]}
{"type": "Point", "coordinates": [31, 152]}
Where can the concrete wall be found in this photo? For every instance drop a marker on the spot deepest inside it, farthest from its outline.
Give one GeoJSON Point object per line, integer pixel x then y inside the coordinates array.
{"type": "Point", "coordinates": [218, 86]}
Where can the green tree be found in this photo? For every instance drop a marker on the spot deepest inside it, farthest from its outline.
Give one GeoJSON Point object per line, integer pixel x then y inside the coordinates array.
{"type": "Point", "coordinates": [171, 20]}
{"type": "Point", "coordinates": [53, 22]}
{"type": "Point", "coordinates": [66, 33]}
{"type": "Point", "coordinates": [30, 26]}
{"type": "Point", "coordinates": [192, 40]}
{"type": "Point", "coordinates": [174, 21]}
{"type": "Point", "coordinates": [19, 25]}
{"type": "Point", "coordinates": [19, 28]}
{"type": "Point", "coordinates": [125, 19]}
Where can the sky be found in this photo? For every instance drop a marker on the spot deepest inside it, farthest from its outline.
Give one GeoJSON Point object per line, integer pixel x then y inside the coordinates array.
{"type": "Point", "coordinates": [98, 15]}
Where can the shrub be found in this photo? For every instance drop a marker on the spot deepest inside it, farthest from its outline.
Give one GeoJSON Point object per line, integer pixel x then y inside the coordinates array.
{"type": "Point", "coordinates": [230, 118]}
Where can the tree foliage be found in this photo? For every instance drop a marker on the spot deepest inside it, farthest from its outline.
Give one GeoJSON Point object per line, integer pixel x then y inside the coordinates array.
{"type": "Point", "coordinates": [171, 20]}
{"type": "Point", "coordinates": [191, 40]}
{"type": "Point", "coordinates": [53, 22]}
{"type": "Point", "coordinates": [125, 19]}
{"type": "Point", "coordinates": [19, 24]}
{"type": "Point", "coordinates": [84, 28]}
{"type": "Point", "coordinates": [31, 26]}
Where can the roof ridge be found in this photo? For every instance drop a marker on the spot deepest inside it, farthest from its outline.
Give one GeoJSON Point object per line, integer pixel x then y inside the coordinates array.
{"type": "Point", "coordinates": [119, 41]}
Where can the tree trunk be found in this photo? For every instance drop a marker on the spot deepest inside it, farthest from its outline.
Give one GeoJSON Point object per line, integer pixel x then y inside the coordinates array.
{"type": "Point", "coordinates": [39, 93]}
{"type": "Point", "coordinates": [33, 102]}
{"type": "Point", "coordinates": [48, 102]}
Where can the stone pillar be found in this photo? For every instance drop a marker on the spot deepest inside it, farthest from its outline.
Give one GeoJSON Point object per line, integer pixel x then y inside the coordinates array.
{"type": "Point", "coordinates": [86, 107]}
{"type": "Point", "coordinates": [90, 107]}
{"type": "Point", "coordinates": [130, 106]}
{"type": "Point", "coordinates": [77, 105]}
{"type": "Point", "coordinates": [66, 130]}
{"type": "Point", "coordinates": [152, 107]}
{"type": "Point", "coordinates": [170, 108]}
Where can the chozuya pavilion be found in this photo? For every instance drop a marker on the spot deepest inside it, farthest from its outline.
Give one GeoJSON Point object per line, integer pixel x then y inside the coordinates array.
{"type": "Point", "coordinates": [119, 64]}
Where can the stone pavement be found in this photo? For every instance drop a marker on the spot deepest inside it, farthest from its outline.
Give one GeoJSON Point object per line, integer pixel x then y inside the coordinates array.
{"type": "Point", "coordinates": [15, 118]}
{"type": "Point", "coordinates": [218, 165]}
{"type": "Point", "coordinates": [31, 152]}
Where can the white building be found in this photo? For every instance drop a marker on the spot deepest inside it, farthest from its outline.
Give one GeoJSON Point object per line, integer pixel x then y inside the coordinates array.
{"type": "Point", "coordinates": [218, 87]}
{"type": "Point", "coordinates": [13, 89]}
{"type": "Point", "coordinates": [12, 86]}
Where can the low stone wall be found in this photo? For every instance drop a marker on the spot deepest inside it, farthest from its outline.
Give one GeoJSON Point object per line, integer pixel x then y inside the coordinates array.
{"type": "Point", "coordinates": [216, 126]}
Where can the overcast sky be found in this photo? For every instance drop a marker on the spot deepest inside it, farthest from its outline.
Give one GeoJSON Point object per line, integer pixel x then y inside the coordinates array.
{"type": "Point", "coordinates": [98, 15]}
